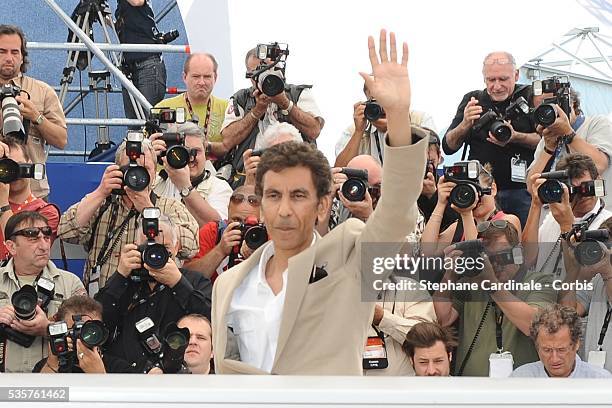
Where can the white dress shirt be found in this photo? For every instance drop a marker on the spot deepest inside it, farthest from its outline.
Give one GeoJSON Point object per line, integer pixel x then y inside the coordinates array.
{"type": "Point", "coordinates": [255, 314]}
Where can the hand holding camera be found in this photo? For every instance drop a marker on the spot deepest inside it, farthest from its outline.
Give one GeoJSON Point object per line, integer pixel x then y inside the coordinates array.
{"type": "Point", "coordinates": [129, 260]}
{"type": "Point", "coordinates": [251, 161]}
{"type": "Point", "coordinates": [467, 192]}
{"type": "Point", "coordinates": [444, 189]}
{"type": "Point", "coordinates": [112, 179]}
{"type": "Point", "coordinates": [559, 128]}
{"type": "Point", "coordinates": [359, 117]}
{"type": "Point", "coordinates": [471, 113]}
{"type": "Point", "coordinates": [36, 326]}
{"type": "Point", "coordinates": [231, 237]}
{"type": "Point", "coordinates": [90, 360]}
{"type": "Point", "coordinates": [429, 185]}
{"type": "Point", "coordinates": [27, 108]}
{"type": "Point", "coordinates": [359, 209]}
{"type": "Point", "coordinates": [261, 103]}
{"type": "Point", "coordinates": [168, 275]}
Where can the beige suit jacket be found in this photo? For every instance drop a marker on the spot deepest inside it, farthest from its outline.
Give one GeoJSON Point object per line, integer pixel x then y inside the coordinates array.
{"type": "Point", "coordinates": [324, 324]}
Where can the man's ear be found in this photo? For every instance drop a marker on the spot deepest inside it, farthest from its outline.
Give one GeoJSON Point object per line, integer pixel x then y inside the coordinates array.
{"type": "Point", "coordinates": [450, 357]}
{"type": "Point", "coordinates": [11, 246]}
{"type": "Point", "coordinates": [323, 207]}
{"type": "Point", "coordinates": [516, 75]}
{"type": "Point", "coordinates": [493, 189]}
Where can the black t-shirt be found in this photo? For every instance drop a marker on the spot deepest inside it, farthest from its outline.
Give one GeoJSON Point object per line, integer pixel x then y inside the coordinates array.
{"type": "Point", "coordinates": [135, 25]}
{"type": "Point", "coordinates": [487, 152]}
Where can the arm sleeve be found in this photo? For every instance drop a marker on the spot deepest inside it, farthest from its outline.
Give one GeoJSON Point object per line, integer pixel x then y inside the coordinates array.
{"type": "Point", "coordinates": [194, 294]}
{"type": "Point", "coordinates": [208, 238]}
{"type": "Point", "coordinates": [186, 225]}
{"type": "Point", "coordinates": [70, 231]}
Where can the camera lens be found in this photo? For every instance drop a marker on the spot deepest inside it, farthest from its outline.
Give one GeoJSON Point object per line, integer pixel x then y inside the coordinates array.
{"type": "Point", "coordinates": [93, 333]}
{"type": "Point", "coordinates": [589, 253]}
{"type": "Point", "coordinates": [544, 115]}
{"type": "Point", "coordinates": [176, 340]}
{"type": "Point", "coordinates": [501, 131]}
{"type": "Point", "coordinates": [177, 157]}
{"type": "Point", "coordinates": [24, 302]}
{"type": "Point", "coordinates": [9, 171]}
{"type": "Point", "coordinates": [354, 189]}
{"type": "Point", "coordinates": [256, 236]}
{"type": "Point", "coordinates": [550, 191]}
{"type": "Point", "coordinates": [373, 111]}
{"type": "Point", "coordinates": [12, 121]}
{"type": "Point", "coordinates": [463, 195]}
{"type": "Point", "coordinates": [137, 178]}
{"type": "Point", "coordinates": [271, 83]}
{"type": "Point", "coordinates": [155, 256]}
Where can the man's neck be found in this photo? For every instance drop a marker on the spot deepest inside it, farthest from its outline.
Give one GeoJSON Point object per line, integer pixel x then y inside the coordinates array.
{"type": "Point", "coordinates": [197, 101]}
{"type": "Point", "coordinates": [200, 369]}
{"type": "Point", "coordinates": [25, 270]}
{"type": "Point", "coordinates": [4, 81]}
{"type": "Point", "coordinates": [583, 213]}
{"type": "Point", "coordinates": [19, 197]}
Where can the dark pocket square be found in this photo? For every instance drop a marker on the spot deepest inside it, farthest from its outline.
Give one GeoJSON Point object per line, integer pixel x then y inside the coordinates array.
{"type": "Point", "coordinates": [317, 274]}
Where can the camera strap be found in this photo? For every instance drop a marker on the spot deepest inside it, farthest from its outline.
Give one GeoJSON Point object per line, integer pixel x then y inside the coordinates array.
{"type": "Point", "coordinates": [604, 327]}
{"type": "Point", "coordinates": [194, 116]}
{"type": "Point", "coordinates": [499, 320]}
{"type": "Point", "coordinates": [476, 335]}
{"type": "Point", "coordinates": [377, 141]}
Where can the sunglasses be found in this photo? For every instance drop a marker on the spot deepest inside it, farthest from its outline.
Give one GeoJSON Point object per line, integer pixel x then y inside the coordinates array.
{"type": "Point", "coordinates": [33, 232]}
{"type": "Point", "coordinates": [486, 225]}
{"type": "Point", "coordinates": [239, 199]}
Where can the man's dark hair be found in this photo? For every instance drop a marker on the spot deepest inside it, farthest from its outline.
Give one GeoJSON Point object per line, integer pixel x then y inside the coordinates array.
{"type": "Point", "coordinates": [577, 164]}
{"type": "Point", "coordinates": [250, 53]}
{"type": "Point", "coordinates": [294, 154]}
{"type": "Point", "coordinates": [79, 304]}
{"type": "Point", "coordinates": [190, 57]}
{"type": "Point", "coordinates": [13, 143]}
{"type": "Point", "coordinates": [23, 217]}
{"type": "Point", "coordinates": [509, 232]}
{"type": "Point", "coordinates": [575, 97]}
{"type": "Point", "coordinates": [553, 318]}
{"type": "Point", "coordinates": [607, 224]}
{"type": "Point", "coordinates": [425, 335]}
{"type": "Point", "coordinates": [6, 29]}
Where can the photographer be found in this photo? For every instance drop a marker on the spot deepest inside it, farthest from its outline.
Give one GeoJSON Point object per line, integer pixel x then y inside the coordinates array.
{"type": "Point", "coordinates": [482, 209]}
{"type": "Point", "coordinates": [201, 106]}
{"type": "Point", "coordinates": [367, 133]}
{"type": "Point", "coordinates": [164, 295]}
{"type": "Point", "coordinates": [492, 318]}
{"type": "Point", "coordinates": [17, 196]}
{"type": "Point", "coordinates": [500, 75]}
{"type": "Point", "coordinates": [589, 135]}
{"type": "Point", "coordinates": [28, 240]}
{"type": "Point", "coordinates": [198, 354]}
{"type": "Point", "coordinates": [147, 71]}
{"type": "Point", "coordinates": [105, 219]}
{"type": "Point", "coordinates": [205, 196]}
{"type": "Point", "coordinates": [47, 124]}
{"type": "Point", "coordinates": [572, 208]}
{"type": "Point", "coordinates": [219, 238]}
{"type": "Point", "coordinates": [250, 112]}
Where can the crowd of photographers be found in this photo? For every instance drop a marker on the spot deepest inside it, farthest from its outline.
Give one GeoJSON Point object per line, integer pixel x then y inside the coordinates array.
{"type": "Point", "coordinates": [520, 229]}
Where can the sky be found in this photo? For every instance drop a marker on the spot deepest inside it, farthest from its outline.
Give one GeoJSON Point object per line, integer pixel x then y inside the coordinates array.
{"type": "Point", "coordinates": [328, 44]}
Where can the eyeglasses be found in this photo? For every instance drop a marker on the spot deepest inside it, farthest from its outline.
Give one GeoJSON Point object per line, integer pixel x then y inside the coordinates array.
{"type": "Point", "coordinates": [239, 199]}
{"type": "Point", "coordinates": [561, 351]}
{"type": "Point", "coordinates": [500, 61]}
{"type": "Point", "coordinates": [374, 191]}
{"type": "Point", "coordinates": [485, 225]}
{"type": "Point", "coordinates": [33, 232]}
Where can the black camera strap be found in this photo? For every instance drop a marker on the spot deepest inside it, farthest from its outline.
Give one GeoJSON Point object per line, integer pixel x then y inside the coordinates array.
{"type": "Point", "coordinates": [604, 327]}
{"type": "Point", "coordinates": [475, 339]}
{"type": "Point", "coordinates": [499, 320]}
{"type": "Point", "coordinates": [376, 140]}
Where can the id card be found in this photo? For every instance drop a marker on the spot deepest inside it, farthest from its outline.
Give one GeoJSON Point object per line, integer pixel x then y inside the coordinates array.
{"type": "Point", "coordinates": [501, 364]}
{"type": "Point", "coordinates": [597, 358]}
{"type": "Point", "coordinates": [375, 354]}
{"type": "Point", "coordinates": [518, 170]}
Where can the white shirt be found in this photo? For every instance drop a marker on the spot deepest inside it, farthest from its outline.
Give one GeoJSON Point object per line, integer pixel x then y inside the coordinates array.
{"type": "Point", "coordinates": [548, 235]}
{"type": "Point", "coordinates": [255, 314]}
{"type": "Point", "coordinates": [581, 370]}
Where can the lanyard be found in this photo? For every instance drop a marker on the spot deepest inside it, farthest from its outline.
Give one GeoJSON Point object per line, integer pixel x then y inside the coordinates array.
{"type": "Point", "coordinates": [604, 327]}
{"type": "Point", "coordinates": [499, 320]}
{"type": "Point", "coordinates": [195, 117]}
{"type": "Point", "coordinates": [369, 129]}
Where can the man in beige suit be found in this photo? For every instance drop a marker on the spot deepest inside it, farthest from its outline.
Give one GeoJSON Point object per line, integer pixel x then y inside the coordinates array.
{"type": "Point", "coordinates": [295, 305]}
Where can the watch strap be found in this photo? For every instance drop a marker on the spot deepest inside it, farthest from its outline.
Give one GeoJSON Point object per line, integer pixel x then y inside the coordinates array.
{"type": "Point", "coordinates": [40, 119]}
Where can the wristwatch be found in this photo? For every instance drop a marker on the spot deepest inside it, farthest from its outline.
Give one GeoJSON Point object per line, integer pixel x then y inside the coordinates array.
{"type": "Point", "coordinates": [185, 191]}
{"type": "Point", "coordinates": [287, 111]}
{"type": "Point", "coordinates": [40, 119]}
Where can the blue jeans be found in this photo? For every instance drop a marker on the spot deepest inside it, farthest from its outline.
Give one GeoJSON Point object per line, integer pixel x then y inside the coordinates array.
{"type": "Point", "coordinates": [149, 76]}
{"type": "Point", "coordinates": [515, 202]}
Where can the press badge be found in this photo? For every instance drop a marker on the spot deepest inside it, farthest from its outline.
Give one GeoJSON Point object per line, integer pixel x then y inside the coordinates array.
{"type": "Point", "coordinates": [375, 354]}
{"type": "Point", "coordinates": [518, 170]}
{"type": "Point", "coordinates": [501, 364]}
{"type": "Point", "coordinates": [597, 358]}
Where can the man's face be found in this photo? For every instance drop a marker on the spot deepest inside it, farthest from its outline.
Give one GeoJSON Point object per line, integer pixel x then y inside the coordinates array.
{"type": "Point", "coordinates": [557, 352]}
{"type": "Point", "coordinates": [10, 56]}
{"type": "Point", "coordinates": [201, 78]}
{"type": "Point", "coordinates": [30, 250]}
{"type": "Point", "coordinates": [199, 350]}
{"type": "Point", "coordinates": [500, 80]}
{"type": "Point", "coordinates": [252, 64]}
{"type": "Point", "coordinates": [290, 208]}
{"type": "Point", "coordinates": [582, 205]}
{"type": "Point", "coordinates": [432, 361]}
{"type": "Point", "coordinates": [196, 166]}
{"type": "Point", "coordinates": [433, 154]}
{"type": "Point", "coordinates": [243, 203]}
{"type": "Point", "coordinates": [16, 154]}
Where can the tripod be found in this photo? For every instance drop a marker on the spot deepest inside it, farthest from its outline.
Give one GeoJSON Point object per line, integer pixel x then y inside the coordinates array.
{"type": "Point", "coordinates": [86, 14]}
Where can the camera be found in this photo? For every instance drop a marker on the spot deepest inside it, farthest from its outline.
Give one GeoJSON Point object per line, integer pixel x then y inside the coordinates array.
{"type": "Point", "coordinates": [468, 189]}
{"type": "Point", "coordinates": [545, 114]}
{"type": "Point", "coordinates": [254, 233]}
{"type": "Point", "coordinates": [373, 111]}
{"type": "Point", "coordinates": [471, 249]}
{"type": "Point", "coordinates": [12, 120]}
{"type": "Point", "coordinates": [10, 170]}
{"type": "Point", "coordinates": [165, 37]}
{"type": "Point", "coordinates": [512, 256]}
{"type": "Point", "coordinates": [93, 333]}
{"type": "Point", "coordinates": [356, 186]}
{"type": "Point", "coordinates": [591, 246]}
{"type": "Point", "coordinates": [551, 191]}
{"type": "Point", "coordinates": [167, 353]}
{"type": "Point", "coordinates": [167, 115]}
{"type": "Point", "coordinates": [152, 254]}
{"type": "Point", "coordinates": [493, 122]}
{"type": "Point", "coordinates": [429, 168]}
{"type": "Point", "coordinates": [177, 155]}
{"type": "Point", "coordinates": [135, 177]}
{"type": "Point", "coordinates": [270, 78]}
{"type": "Point", "coordinates": [24, 303]}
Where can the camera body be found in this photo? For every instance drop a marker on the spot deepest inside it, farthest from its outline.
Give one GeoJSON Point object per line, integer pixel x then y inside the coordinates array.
{"type": "Point", "coordinates": [551, 191]}
{"type": "Point", "coordinates": [471, 249]}
{"type": "Point", "coordinates": [373, 110]}
{"type": "Point", "coordinates": [270, 78]}
{"type": "Point", "coordinates": [177, 155]}
{"type": "Point", "coordinates": [93, 333]}
{"type": "Point", "coordinates": [545, 114]}
{"type": "Point", "coordinates": [152, 254]}
{"type": "Point", "coordinates": [10, 170]}
{"type": "Point", "coordinates": [165, 37]}
{"type": "Point", "coordinates": [135, 177]}
{"type": "Point", "coordinates": [468, 190]}
{"type": "Point", "coordinates": [167, 352]}
{"type": "Point", "coordinates": [356, 186]}
{"type": "Point", "coordinates": [13, 124]}
{"type": "Point", "coordinates": [167, 115]}
{"type": "Point", "coordinates": [494, 122]}
{"type": "Point", "coordinates": [591, 246]}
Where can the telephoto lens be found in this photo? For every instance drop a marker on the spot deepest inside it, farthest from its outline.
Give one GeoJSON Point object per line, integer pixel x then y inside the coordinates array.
{"type": "Point", "coordinates": [93, 333]}
{"type": "Point", "coordinates": [545, 114]}
{"type": "Point", "coordinates": [592, 248]}
{"type": "Point", "coordinates": [463, 195]}
{"type": "Point", "coordinates": [355, 187]}
{"type": "Point", "coordinates": [24, 302]}
{"type": "Point", "coordinates": [271, 82]}
{"type": "Point", "coordinates": [154, 255]}
{"type": "Point", "coordinates": [136, 178]}
{"type": "Point", "coordinates": [501, 131]}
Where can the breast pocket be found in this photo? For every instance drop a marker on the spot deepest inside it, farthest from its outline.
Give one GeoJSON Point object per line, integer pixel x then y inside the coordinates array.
{"type": "Point", "coordinates": [243, 326]}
